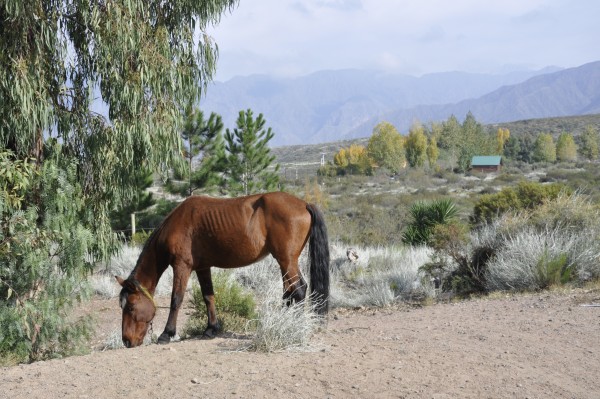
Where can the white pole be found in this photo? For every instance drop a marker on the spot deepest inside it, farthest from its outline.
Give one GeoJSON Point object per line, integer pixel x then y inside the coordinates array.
{"type": "Point", "coordinates": [132, 224]}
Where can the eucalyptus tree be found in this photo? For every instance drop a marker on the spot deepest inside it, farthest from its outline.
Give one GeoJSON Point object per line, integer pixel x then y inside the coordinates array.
{"type": "Point", "coordinates": [60, 62]}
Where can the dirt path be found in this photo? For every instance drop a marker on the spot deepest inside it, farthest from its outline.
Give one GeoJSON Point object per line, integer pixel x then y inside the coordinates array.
{"type": "Point", "coordinates": [533, 346]}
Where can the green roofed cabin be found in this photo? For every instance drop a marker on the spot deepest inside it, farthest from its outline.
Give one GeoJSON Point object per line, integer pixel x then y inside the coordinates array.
{"type": "Point", "coordinates": [487, 163]}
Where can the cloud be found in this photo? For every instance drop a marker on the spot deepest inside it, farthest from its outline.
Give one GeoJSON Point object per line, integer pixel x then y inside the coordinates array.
{"type": "Point", "coordinates": [344, 5]}
{"type": "Point", "coordinates": [300, 8]}
{"type": "Point", "coordinates": [423, 36]}
{"type": "Point", "coordinates": [434, 34]}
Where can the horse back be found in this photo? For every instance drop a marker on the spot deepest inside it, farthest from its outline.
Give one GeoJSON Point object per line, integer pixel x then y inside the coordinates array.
{"type": "Point", "coordinates": [233, 232]}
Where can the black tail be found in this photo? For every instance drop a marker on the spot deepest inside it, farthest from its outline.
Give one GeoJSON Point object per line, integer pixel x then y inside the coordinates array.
{"type": "Point", "coordinates": [318, 249]}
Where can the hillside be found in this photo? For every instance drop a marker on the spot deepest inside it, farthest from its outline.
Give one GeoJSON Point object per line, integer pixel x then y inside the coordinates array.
{"type": "Point", "coordinates": [574, 91]}
{"type": "Point", "coordinates": [327, 105]}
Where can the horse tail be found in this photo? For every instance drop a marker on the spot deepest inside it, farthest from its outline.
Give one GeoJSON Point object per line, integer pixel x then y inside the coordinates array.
{"type": "Point", "coordinates": [318, 249]}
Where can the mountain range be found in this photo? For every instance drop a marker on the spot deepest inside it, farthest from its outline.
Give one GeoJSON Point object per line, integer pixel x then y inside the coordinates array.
{"type": "Point", "coordinates": [337, 105]}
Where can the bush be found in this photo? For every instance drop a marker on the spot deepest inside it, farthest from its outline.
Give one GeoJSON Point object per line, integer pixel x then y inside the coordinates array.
{"type": "Point", "coordinates": [460, 260]}
{"type": "Point", "coordinates": [140, 237]}
{"type": "Point", "coordinates": [280, 327]}
{"type": "Point", "coordinates": [380, 277]}
{"type": "Point", "coordinates": [235, 306]}
{"type": "Point", "coordinates": [531, 260]}
{"type": "Point", "coordinates": [526, 195]}
{"type": "Point", "coordinates": [553, 244]}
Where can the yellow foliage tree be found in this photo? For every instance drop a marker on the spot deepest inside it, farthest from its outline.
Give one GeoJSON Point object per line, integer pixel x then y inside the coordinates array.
{"type": "Point", "coordinates": [502, 136]}
{"type": "Point", "coordinates": [433, 152]}
{"type": "Point", "coordinates": [386, 147]}
{"type": "Point", "coordinates": [353, 160]}
{"type": "Point", "coordinates": [341, 158]}
{"type": "Point", "coordinates": [416, 146]}
{"type": "Point", "coordinates": [566, 149]}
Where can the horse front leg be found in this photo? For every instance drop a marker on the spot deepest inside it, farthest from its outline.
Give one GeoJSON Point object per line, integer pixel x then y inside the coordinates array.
{"type": "Point", "coordinates": [205, 280]}
{"type": "Point", "coordinates": [181, 276]}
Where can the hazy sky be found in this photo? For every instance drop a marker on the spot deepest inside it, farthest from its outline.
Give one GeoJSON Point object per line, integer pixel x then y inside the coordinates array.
{"type": "Point", "coordinates": [293, 37]}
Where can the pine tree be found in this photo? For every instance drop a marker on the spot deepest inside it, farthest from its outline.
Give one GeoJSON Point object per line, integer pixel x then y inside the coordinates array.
{"type": "Point", "coordinates": [204, 138]}
{"type": "Point", "coordinates": [450, 138]}
{"type": "Point", "coordinates": [526, 148]}
{"type": "Point", "coordinates": [248, 159]}
{"type": "Point", "coordinates": [589, 143]}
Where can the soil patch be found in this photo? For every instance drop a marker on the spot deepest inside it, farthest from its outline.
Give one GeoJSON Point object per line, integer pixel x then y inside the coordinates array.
{"type": "Point", "coordinates": [528, 346]}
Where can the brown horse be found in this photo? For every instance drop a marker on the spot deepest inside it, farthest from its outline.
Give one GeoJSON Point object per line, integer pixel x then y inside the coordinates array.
{"type": "Point", "coordinates": [203, 232]}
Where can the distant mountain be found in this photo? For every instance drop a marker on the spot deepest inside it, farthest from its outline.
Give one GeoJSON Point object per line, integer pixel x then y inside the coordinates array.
{"type": "Point", "coordinates": [333, 105]}
{"type": "Point", "coordinates": [573, 91]}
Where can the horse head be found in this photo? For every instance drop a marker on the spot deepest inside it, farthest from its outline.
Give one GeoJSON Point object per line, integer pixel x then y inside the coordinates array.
{"type": "Point", "coordinates": [138, 311]}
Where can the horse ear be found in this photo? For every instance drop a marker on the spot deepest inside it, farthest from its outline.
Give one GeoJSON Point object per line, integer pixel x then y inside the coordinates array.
{"type": "Point", "coordinates": [120, 281]}
{"type": "Point", "coordinates": [127, 284]}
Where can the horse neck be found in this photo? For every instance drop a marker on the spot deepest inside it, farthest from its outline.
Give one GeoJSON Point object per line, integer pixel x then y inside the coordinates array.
{"type": "Point", "coordinates": [149, 268]}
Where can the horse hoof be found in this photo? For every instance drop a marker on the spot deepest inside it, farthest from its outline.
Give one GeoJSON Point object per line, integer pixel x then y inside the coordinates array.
{"type": "Point", "coordinates": [164, 339]}
{"type": "Point", "coordinates": [209, 333]}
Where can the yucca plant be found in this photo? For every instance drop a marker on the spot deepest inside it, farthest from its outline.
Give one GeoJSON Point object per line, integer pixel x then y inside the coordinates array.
{"type": "Point", "coordinates": [424, 217]}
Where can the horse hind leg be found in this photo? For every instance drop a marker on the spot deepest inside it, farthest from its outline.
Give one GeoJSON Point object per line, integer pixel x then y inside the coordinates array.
{"type": "Point", "coordinates": [294, 285]}
{"type": "Point", "coordinates": [213, 326]}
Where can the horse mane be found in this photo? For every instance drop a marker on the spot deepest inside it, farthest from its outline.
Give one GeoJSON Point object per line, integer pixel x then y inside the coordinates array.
{"type": "Point", "coordinates": [150, 241]}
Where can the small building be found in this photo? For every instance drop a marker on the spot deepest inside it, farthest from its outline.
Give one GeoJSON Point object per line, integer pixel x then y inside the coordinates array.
{"type": "Point", "coordinates": [486, 163]}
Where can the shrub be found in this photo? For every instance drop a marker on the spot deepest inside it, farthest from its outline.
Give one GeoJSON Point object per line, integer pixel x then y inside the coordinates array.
{"type": "Point", "coordinates": [553, 244]}
{"type": "Point", "coordinates": [526, 195]}
{"type": "Point", "coordinates": [553, 270]}
{"type": "Point", "coordinates": [380, 277]}
{"type": "Point", "coordinates": [531, 260]}
{"type": "Point", "coordinates": [460, 260]}
{"type": "Point", "coordinates": [235, 306]}
{"type": "Point", "coordinates": [140, 237]}
{"type": "Point", "coordinates": [280, 327]}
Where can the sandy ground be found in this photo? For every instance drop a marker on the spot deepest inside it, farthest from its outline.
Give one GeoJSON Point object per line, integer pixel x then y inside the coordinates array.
{"type": "Point", "coordinates": [543, 345]}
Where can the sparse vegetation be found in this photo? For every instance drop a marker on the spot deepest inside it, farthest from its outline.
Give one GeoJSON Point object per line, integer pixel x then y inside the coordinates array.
{"type": "Point", "coordinates": [280, 327]}
{"type": "Point", "coordinates": [235, 306]}
{"type": "Point", "coordinates": [550, 242]}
